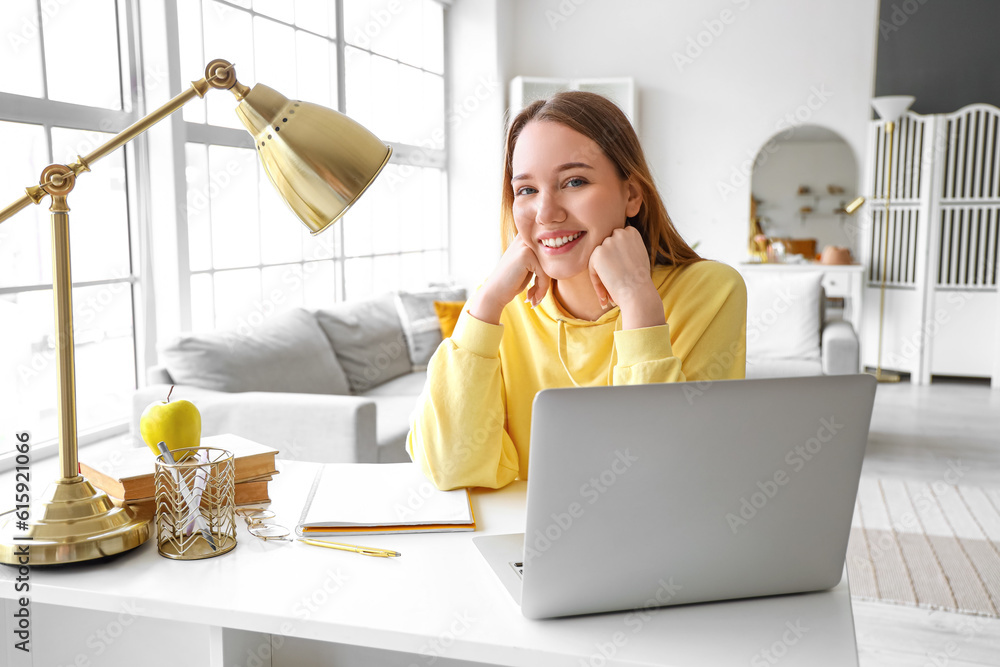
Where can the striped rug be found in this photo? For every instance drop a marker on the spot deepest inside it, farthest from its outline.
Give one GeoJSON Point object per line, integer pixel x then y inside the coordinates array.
{"type": "Point", "coordinates": [926, 545]}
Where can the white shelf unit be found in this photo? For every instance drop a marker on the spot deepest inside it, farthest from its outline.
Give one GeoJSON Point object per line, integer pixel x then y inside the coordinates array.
{"type": "Point", "coordinates": [942, 303]}
{"type": "Point", "coordinates": [622, 91]}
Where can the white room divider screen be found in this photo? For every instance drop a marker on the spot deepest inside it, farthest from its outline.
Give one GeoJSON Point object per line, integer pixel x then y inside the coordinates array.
{"type": "Point", "coordinates": [942, 307]}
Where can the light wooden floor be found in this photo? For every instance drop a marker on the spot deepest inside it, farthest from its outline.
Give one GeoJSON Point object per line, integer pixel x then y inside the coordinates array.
{"type": "Point", "coordinates": [915, 433]}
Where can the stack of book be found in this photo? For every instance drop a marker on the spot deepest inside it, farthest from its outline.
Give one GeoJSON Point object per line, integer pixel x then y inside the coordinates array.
{"type": "Point", "coordinates": [127, 475]}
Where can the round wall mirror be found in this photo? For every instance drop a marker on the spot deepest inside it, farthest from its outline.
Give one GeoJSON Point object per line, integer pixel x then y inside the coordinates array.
{"type": "Point", "coordinates": [803, 178]}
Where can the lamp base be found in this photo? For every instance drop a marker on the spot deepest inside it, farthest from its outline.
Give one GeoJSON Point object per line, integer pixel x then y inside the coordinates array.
{"type": "Point", "coordinates": [884, 376]}
{"type": "Point", "coordinates": [71, 522]}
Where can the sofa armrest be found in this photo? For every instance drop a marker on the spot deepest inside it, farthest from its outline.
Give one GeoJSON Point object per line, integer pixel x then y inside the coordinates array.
{"type": "Point", "coordinates": [840, 349]}
{"type": "Point", "coordinates": [324, 428]}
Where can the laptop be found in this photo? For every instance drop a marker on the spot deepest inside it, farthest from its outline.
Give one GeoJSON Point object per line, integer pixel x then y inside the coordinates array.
{"type": "Point", "coordinates": [665, 494]}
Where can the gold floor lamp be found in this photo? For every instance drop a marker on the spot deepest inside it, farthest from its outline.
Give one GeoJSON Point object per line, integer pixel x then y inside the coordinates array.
{"type": "Point", "coordinates": [890, 109]}
{"type": "Point", "coordinates": [319, 160]}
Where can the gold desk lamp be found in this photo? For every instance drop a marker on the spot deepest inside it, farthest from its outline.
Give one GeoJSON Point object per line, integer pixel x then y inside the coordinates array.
{"type": "Point", "coordinates": [890, 109]}
{"type": "Point", "coordinates": [854, 205]}
{"type": "Point", "coordinates": [319, 160]}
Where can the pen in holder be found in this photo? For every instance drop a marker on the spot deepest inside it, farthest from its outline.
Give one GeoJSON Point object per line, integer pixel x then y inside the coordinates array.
{"type": "Point", "coordinates": [195, 502]}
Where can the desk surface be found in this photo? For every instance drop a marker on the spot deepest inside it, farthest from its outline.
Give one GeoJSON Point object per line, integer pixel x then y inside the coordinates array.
{"type": "Point", "coordinates": [440, 598]}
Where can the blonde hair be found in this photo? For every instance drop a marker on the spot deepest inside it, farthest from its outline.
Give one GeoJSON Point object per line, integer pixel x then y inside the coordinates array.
{"type": "Point", "coordinates": [599, 119]}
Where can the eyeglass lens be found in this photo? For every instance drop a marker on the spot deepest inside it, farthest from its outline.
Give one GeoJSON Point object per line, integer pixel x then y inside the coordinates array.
{"type": "Point", "coordinates": [255, 519]}
{"type": "Point", "coordinates": [268, 531]}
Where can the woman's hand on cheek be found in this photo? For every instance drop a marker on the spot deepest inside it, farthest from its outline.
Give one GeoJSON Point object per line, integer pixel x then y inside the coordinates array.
{"type": "Point", "coordinates": [620, 272]}
{"type": "Point", "coordinates": [511, 275]}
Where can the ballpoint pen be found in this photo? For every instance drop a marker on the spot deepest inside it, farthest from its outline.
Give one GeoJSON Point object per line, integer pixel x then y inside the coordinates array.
{"type": "Point", "coordinates": [365, 551]}
{"type": "Point", "coordinates": [193, 505]}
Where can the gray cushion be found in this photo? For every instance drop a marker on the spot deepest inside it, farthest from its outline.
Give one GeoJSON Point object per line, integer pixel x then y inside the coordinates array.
{"type": "Point", "coordinates": [286, 353]}
{"type": "Point", "coordinates": [368, 340]}
{"type": "Point", "coordinates": [421, 325]}
{"type": "Point", "coordinates": [158, 375]}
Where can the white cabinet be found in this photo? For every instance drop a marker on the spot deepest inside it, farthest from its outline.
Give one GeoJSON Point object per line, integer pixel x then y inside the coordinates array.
{"type": "Point", "coordinates": [526, 89]}
{"type": "Point", "coordinates": [838, 284]}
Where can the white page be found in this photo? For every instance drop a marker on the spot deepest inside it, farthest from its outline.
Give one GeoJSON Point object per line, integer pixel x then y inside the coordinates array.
{"type": "Point", "coordinates": [374, 494]}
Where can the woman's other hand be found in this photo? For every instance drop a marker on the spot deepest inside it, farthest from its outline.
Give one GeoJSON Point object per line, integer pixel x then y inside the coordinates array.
{"type": "Point", "coordinates": [511, 275]}
{"type": "Point", "coordinates": [620, 272]}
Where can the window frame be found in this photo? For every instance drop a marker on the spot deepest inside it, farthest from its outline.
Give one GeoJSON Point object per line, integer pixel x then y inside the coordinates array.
{"type": "Point", "coordinates": [50, 114]}
{"type": "Point", "coordinates": [139, 189]}
{"type": "Point", "coordinates": [213, 135]}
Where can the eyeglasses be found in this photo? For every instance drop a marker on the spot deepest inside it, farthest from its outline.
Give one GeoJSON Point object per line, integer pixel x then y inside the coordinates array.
{"type": "Point", "coordinates": [256, 517]}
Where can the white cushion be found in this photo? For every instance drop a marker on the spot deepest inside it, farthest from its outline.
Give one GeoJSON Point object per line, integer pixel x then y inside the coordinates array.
{"type": "Point", "coordinates": [783, 315]}
{"type": "Point", "coordinates": [286, 353]}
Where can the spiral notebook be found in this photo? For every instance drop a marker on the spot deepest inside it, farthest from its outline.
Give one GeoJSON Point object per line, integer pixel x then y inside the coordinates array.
{"type": "Point", "coordinates": [381, 498]}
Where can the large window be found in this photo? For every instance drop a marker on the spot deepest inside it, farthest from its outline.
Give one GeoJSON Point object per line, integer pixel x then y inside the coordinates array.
{"type": "Point", "coordinates": [380, 62]}
{"type": "Point", "coordinates": [243, 255]}
{"type": "Point", "coordinates": [50, 113]}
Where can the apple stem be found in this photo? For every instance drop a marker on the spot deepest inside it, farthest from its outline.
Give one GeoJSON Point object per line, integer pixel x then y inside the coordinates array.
{"type": "Point", "coordinates": [170, 392]}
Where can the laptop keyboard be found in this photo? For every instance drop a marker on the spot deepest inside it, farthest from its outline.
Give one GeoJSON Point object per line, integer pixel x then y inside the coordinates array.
{"type": "Point", "coordinates": [518, 568]}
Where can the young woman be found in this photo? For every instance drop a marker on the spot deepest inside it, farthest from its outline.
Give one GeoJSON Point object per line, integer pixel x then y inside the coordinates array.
{"type": "Point", "coordinates": [618, 297]}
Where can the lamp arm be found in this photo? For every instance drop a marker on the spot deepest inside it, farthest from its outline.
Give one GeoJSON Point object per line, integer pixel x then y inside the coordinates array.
{"type": "Point", "coordinates": [218, 74]}
{"type": "Point", "coordinates": [57, 181]}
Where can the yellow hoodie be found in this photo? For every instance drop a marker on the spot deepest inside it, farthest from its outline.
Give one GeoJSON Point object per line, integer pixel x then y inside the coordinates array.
{"type": "Point", "coordinates": [472, 424]}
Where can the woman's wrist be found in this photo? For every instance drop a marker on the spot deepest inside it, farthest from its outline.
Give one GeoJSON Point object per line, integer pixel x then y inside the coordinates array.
{"type": "Point", "coordinates": [642, 308]}
{"type": "Point", "coordinates": [484, 308]}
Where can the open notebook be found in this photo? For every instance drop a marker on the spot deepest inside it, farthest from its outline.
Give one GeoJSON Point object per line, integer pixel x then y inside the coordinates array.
{"type": "Point", "coordinates": [376, 498]}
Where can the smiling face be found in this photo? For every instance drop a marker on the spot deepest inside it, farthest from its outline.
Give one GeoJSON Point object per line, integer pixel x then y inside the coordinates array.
{"type": "Point", "coordinates": [568, 196]}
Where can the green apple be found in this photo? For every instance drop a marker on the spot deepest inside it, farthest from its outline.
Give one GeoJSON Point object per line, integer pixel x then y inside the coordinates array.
{"type": "Point", "coordinates": [177, 423]}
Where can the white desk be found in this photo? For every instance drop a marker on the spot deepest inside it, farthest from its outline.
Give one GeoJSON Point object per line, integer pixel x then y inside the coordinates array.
{"type": "Point", "coordinates": [439, 604]}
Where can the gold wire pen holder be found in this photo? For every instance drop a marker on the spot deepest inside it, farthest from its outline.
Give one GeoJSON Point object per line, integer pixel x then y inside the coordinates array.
{"type": "Point", "coordinates": [195, 503]}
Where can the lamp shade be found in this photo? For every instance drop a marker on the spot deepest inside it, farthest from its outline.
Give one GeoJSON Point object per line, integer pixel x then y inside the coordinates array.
{"type": "Point", "coordinates": [318, 159]}
{"type": "Point", "coordinates": [892, 107]}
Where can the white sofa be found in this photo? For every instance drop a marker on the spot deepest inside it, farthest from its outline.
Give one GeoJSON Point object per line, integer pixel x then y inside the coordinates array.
{"type": "Point", "coordinates": [339, 384]}
{"type": "Point", "coordinates": [330, 385]}
{"type": "Point", "coordinates": [788, 333]}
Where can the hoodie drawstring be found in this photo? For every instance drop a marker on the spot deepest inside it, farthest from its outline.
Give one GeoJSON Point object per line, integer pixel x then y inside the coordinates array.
{"type": "Point", "coordinates": [561, 349]}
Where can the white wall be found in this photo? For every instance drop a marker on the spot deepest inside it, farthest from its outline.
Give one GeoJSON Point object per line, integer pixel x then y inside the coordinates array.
{"type": "Point", "coordinates": [702, 120]}
{"type": "Point", "coordinates": [815, 164]}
